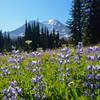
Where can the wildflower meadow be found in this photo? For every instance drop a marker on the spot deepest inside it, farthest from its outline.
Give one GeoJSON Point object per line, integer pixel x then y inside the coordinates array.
{"type": "Point", "coordinates": [61, 74]}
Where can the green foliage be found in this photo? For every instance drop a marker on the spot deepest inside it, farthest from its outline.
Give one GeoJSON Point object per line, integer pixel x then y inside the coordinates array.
{"type": "Point", "coordinates": [85, 21]}
{"type": "Point", "coordinates": [41, 38]}
{"type": "Point", "coordinates": [55, 89]}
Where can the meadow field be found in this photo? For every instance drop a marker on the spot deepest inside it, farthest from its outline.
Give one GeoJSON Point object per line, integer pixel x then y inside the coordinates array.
{"type": "Point", "coordinates": [60, 74]}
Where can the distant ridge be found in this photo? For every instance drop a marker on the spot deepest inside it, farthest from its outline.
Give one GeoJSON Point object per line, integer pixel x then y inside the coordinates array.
{"type": "Point", "coordinates": [52, 23]}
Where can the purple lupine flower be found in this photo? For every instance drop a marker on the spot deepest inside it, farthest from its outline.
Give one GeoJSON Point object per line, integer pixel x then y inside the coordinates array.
{"type": "Point", "coordinates": [5, 98]}
{"type": "Point", "coordinates": [89, 67]}
{"type": "Point", "coordinates": [22, 58]}
{"type": "Point", "coordinates": [91, 86]}
{"type": "Point", "coordinates": [12, 83]}
{"type": "Point", "coordinates": [13, 97]}
{"type": "Point", "coordinates": [68, 62]}
{"type": "Point", "coordinates": [20, 73]}
{"type": "Point", "coordinates": [33, 80]}
{"type": "Point", "coordinates": [60, 62]}
{"type": "Point", "coordinates": [37, 96]}
{"type": "Point", "coordinates": [64, 50]}
{"type": "Point", "coordinates": [59, 79]}
{"type": "Point", "coordinates": [63, 75]}
{"type": "Point", "coordinates": [81, 50]}
{"type": "Point", "coordinates": [67, 69]}
{"type": "Point", "coordinates": [13, 67]}
{"type": "Point", "coordinates": [40, 61]}
{"type": "Point", "coordinates": [65, 62]}
{"type": "Point", "coordinates": [88, 57]}
{"type": "Point", "coordinates": [98, 68]}
{"type": "Point", "coordinates": [17, 51]}
{"type": "Point", "coordinates": [19, 60]}
{"type": "Point", "coordinates": [78, 62]}
{"type": "Point", "coordinates": [86, 93]}
{"type": "Point", "coordinates": [60, 69]}
{"type": "Point", "coordinates": [88, 83]}
{"type": "Point", "coordinates": [77, 52]}
{"type": "Point", "coordinates": [39, 55]}
{"type": "Point", "coordinates": [13, 51]}
{"type": "Point", "coordinates": [45, 83]}
{"type": "Point", "coordinates": [87, 75]}
{"type": "Point", "coordinates": [85, 84]}
{"type": "Point", "coordinates": [76, 58]}
{"type": "Point", "coordinates": [43, 97]}
{"type": "Point", "coordinates": [90, 76]}
{"type": "Point", "coordinates": [74, 62]}
{"type": "Point", "coordinates": [96, 85]}
{"type": "Point", "coordinates": [3, 68]}
{"type": "Point", "coordinates": [15, 83]}
{"type": "Point", "coordinates": [98, 57]}
{"type": "Point", "coordinates": [67, 74]}
{"type": "Point", "coordinates": [80, 44]}
{"type": "Point", "coordinates": [33, 62]}
{"type": "Point", "coordinates": [18, 67]}
{"type": "Point", "coordinates": [37, 78]}
{"type": "Point", "coordinates": [96, 94]}
{"type": "Point", "coordinates": [43, 87]}
{"type": "Point", "coordinates": [41, 77]}
{"type": "Point", "coordinates": [62, 56]}
{"type": "Point", "coordinates": [94, 68]}
{"type": "Point", "coordinates": [92, 58]}
{"type": "Point", "coordinates": [4, 90]}
{"type": "Point", "coordinates": [16, 88]}
{"type": "Point", "coordinates": [98, 49]}
{"type": "Point", "coordinates": [22, 98]}
{"type": "Point", "coordinates": [13, 61]}
{"type": "Point", "coordinates": [69, 79]}
{"type": "Point", "coordinates": [89, 49]}
{"type": "Point", "coordinates": [97, 76]}
{"type": "Point", "coordinates": [63, 80]}
{"type": "Point", "coordinates": [92, 96]}
{"type": "Point", "coordinates": [32, 54]}
{"type": "Point", "coordinates": [34, 90]}
{"type": "Point", "coordinates": [20, 91]}
{"type": "Point", "coordinates": [34, 70]}
{"type": "Point", "coordinates": [67, 56]}
{"type": "Point", "coordinates": [11, 90]}
{"type": "Point", "coordinates": [41, 69]}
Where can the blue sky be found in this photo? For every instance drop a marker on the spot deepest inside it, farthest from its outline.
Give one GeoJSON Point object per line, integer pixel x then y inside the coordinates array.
{"type": "Point", "coordinates": [13, 13]}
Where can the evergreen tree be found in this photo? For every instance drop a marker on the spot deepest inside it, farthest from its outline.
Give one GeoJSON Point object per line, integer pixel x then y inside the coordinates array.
{"type": "Point", "coordinates": [26, 31]}
{"type": "Point", "coordinates": [89, 18]}
{"type": "Point", "coordinates": [97, 19]}
{"type": "Point", "coordinates": [5, 41]}
{"type": "Point", "coordinates": [57, 40]}
{"type": "Point", "coordinates": [75, 23]}
{"type": "Point", "coordinates": [8, 43]}
{"type": "Point", "coordinates": [1, 42]}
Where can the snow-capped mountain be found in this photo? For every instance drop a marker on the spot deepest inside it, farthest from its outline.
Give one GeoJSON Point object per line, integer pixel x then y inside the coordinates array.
{"type": "Point", "coordinates": [58, 26]}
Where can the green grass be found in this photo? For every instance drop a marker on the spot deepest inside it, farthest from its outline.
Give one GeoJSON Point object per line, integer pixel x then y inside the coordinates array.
{"type": "Point", "coordinates": [55, 89]}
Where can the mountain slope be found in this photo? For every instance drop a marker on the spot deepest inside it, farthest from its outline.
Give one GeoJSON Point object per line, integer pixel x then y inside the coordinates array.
{"type": "Point", "coordinates": [58, 26]}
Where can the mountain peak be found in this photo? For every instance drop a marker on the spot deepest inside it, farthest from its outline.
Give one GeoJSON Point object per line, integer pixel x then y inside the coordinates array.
{"type": "Point", "coordinates": [51, 21]}
{"type": "Point", "coordinates": [50, 24]}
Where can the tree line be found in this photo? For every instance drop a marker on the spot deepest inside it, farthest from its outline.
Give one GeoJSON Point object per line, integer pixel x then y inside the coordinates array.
{"type": "Point", "coordinates": [5, 42]}
{"type": "Point", "coordinates": [85, 22]}
{"type": "Point", "coordinates": [39, 36]}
